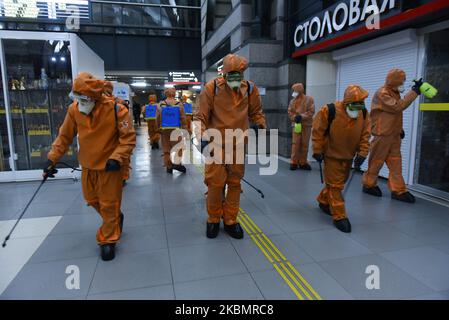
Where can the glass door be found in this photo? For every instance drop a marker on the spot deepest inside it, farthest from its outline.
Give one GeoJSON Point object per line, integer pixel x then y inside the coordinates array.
{"type": "Point", "coordinates": [39, 77]}
{"type": "Point", "coordinates": [432, 169]}
{"type": "Point", "coordinates": [5, 152]}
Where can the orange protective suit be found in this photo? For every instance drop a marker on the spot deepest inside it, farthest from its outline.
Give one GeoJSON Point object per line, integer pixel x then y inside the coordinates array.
{"type": "Point", "coordinates": [154, 133]}
{"type": "Point", "coordinates": [347, 137]}
{"type": "Point", "coordinates": [222, 108]}
{"type": "Point", "coordinates": [106, 133]}
{"type": "Point", "coordinates": [189, 117]}
{"type": "Point", "coordinates": [167, 145]}
{"type": "Point", "coordinates": [305, 107]}
{"type": "Point", "coordinates": [108, 89]}
{"type": "Point", "coordinates": [386, 116]}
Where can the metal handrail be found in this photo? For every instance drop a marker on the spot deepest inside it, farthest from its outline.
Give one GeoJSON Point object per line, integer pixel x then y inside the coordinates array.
{"type": "Point", "coordinates": [145, 4]}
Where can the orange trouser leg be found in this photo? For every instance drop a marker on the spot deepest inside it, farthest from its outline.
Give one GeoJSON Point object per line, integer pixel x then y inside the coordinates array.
{"type": "Point", "coordinates": [336, 172]}
{"type": "Point", "coordinates": [126, 168]}
{"type": "Point", "coordinates": [189, 124]}
{"type": "Point", "coordinates": [304, 145]}
{"type": "Point", "coordinates": [380, 148]}
{"type": "Point", "coordinates": [103, 191]}
{"type": "Point", "coordinates": [166, 147]}
{"type": "Point", "coordinates": [153, 131]}
{"type": "Point", "coordinates": [396, 182]}
{"type": "Point", "coordinates": [231, 206]}
{"type": "Point", "coordinates": [178, 155]}
{"type": "Point", "coordinates": [296, 144]}
{"type": "Point", "coordinates": [215, 180]}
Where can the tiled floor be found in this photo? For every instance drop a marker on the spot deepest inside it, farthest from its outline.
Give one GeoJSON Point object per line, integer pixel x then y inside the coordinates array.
{"type": "Point", "coordinates": [164, 253]}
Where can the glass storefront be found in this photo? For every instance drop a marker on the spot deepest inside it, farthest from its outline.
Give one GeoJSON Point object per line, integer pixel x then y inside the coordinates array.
{"type": "Point", "coordinates": [433, 142]}
{"type": "Point", "coordinates": [39, 80]}
{"type": "Point", "coordinates": [4, 141]}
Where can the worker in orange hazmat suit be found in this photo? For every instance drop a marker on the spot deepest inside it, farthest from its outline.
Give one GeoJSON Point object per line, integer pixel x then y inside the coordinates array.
{"type": "Point", "coordinates": [227, 103]}
{"type": "Point", "coordinates": [106, 139]}
{"type": "Point", "coordinates": [108, 89]}
{"type": "Point", "coordinates": [340, 132]}
{"type": "Point", "coordinates": [387, 109]}
{"type": "Point", "coordinates": [149, 113]}
{"type": "Point", "coordinates": [171, 117]}
{"type": "Point", "coordinates": [300, 111]}
{"type": "Point", "coordinates": [189, 114]}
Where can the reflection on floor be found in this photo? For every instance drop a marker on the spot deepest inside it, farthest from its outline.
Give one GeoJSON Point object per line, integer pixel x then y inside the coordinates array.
{"type": "Point", "coordinates": [164, 253]}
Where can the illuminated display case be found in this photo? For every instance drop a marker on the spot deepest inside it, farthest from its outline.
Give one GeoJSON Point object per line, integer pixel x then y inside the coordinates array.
{"type": "Point", "coordinates": [37, 74]}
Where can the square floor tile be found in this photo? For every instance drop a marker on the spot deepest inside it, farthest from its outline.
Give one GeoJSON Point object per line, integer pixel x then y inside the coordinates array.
{"type": "Point", "coordinates": [182, 234]}
{"type": "Point", "coordinates": [328, 245]}
{"type": "Point", "coordinates": [144, 238]}
{"type": "Point", "coordinates": [322, 283]}
{"type": "Point", "coordinates": [188, 214]}
{"type": "Point", "coordinates": [48, 280]}
{"type": "Point", "coordinates": [394, 283]}
{"type": "Point", "coordinates": [132, 271]}
{"type": "Point", "coordinates": [427, 231]}
{"type": "Point", "coordinates": [78, 223]}
{"type": "Point", "coordinates": [235, 287]}
{"type": "Point", "coordinates": [273, 286]}
{"type": "Point", "coordinates": [301, 220]}
{"type": "Point", "coordinates": [148, 217]}
{"type": "Point", "coordinates": [382, 237]}
{"type": "Point", "coordinates": [66, 246]}
{"type": "Point", "coordinates": [205, 261]}
{"type": "Point", "coordinates": [151, 293]}
{"type": "Point", "coordinates": [426, 264]}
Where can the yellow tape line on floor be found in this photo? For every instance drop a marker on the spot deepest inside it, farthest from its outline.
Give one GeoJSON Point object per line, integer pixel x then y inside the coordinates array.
{"type": "Point", "coordinates": [286, 270]}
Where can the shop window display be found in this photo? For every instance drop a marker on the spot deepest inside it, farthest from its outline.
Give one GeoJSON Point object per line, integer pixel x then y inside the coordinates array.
{"type": "Point", "coordinates": [39, 81]}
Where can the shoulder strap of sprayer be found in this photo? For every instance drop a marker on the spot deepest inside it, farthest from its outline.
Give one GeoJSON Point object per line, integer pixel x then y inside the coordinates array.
{"type": "Point", "coordinates": [331, 116]}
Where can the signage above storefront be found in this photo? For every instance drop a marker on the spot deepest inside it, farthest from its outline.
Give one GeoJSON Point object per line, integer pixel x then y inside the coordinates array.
{"type": "Point", "coordinates": [44, 9]}
{"type": "Point", "coordinates": [183, 77]}
{"type": "Point", "coordinates": [339, 18]}
{"type": "Point", "coordinates": [349, 20]}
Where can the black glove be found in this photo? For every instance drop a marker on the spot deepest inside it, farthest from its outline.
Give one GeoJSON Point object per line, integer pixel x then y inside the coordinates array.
{"type": "Point", "coordinates": [298, 119]}
{"type": "Point", "coordinates": [318, 157]}
{"type": "Point", "coordinates": [112, 165]}
{"type": "Point", "coordinates": [358, 161]}
{"type": "Point", "coordinates": [417, 86]}
{"type": "Point", "coordinates": [402, 134]}
{"type": "Point", "coordinates": [204, 144]}
{"type": "Point", "coordinates": [49, 170]}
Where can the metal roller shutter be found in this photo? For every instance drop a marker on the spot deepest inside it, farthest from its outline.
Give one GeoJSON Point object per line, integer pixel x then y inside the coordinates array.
{"type": "Point", "coordinates": [369, 70]}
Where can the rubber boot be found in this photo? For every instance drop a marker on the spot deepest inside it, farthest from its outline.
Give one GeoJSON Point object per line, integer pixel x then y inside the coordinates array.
{"type": "Point", "coordinates": [293, 167]}
{"type": "Point", "coordinates": [343, 225]}
{"type": "Point", "coordinates": [107, 251]}
{"type": "Point", "coordinates": [374, 191]}
{"type": "Point", "coordinates": [404, 197]}
{"type": "Point", "coordinates": [325, 208]}
{"type": "Point", "coordinates": [212, 230]}
{"type": "Point", "coordinates": [180, 168]}
{"type": "Point", "coordinates": [235, 231]}
{"type": "Point", "coordinates": [306, 167]}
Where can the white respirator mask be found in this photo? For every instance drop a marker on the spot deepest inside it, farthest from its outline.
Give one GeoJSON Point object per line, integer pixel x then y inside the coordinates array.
{"type": "Point", "coordinates": [295, 94]}
{"type": "Point", "coordinates": [85, 104]}
{"type": "Point", "coordinates": [234, 84]}
{"type": "Point", "coordinates": [353, 114]}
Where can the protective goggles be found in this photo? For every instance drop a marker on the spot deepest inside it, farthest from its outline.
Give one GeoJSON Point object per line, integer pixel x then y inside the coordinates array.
{"type": "Point", "coordinates": [234, 76]}
{"type": "Point", "coordinates": [355, 106]}
{"type": "Point", "coordinates": [80, 98]}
